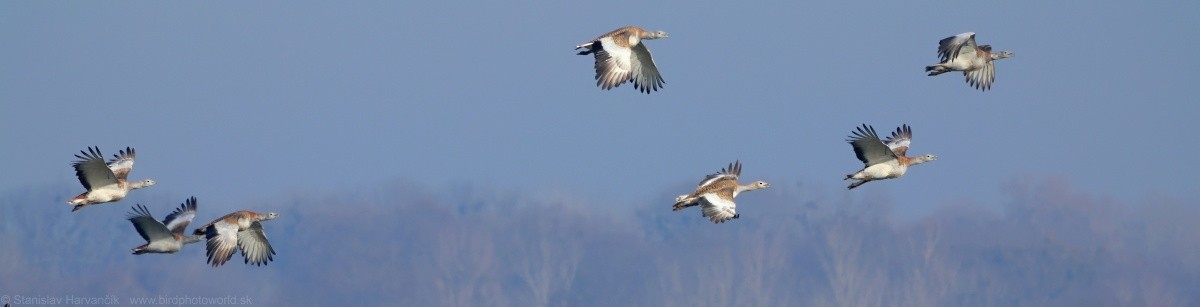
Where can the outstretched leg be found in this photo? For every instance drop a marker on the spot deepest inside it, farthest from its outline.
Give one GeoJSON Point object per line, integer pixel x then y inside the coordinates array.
{"type": "Point", "coordinates": [857, 183]}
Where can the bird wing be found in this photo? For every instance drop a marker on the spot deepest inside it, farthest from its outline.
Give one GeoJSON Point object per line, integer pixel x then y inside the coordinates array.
{"type": "Point", "coordinates": [951, 47]}
{"type": "Point", "coordinates": [718, 207]}
{"type": "Point", "coordinates": [622, 33]}
{"type": "Point", "coordinates": [146, 226]}
{"type": "Point", "coordinates": [92, 172]}
{"type": "Point", "coordinates": [867, 146]}
{"type": "Point", "coordinates": [222, 240]}
{"type": "Point", "coordinates": [982, 78]}
{"type": "Point", "coordinates": [254, 245]}
{"type": "Point", "coordinates": [613, 63]}
{"type": "Point", "coordinates": [122, 163]}
{"type": "Point", "coordinates": [900, 140]}
{"type": "Point", "coordinates": [728, 173]}
{"type": "Point", "coordinates": [645, 74]}
{"type": "Point", "coordinates": [178, 220]}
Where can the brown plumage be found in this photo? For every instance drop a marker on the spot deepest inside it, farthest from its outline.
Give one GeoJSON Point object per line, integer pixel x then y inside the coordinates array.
{"type": "Point", "coordinates": [241, 230]}
{"type": "Point", "coordinates": [716, 194]}
{"type": "Point", "coordinates": [621, 56]}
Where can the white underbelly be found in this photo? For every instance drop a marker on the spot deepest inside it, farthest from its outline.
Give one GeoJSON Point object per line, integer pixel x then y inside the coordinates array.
{"type": "Point", "coordinates": [964, 65]}
{"type": "Point", "coordinates": [882, 171]}
{"type": "Point", "coordinates": [105, 195]}
{"type": "Point", "coordinates": [165, 246]}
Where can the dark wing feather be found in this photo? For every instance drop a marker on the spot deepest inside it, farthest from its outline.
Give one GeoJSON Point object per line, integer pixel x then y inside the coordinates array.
{"type": "Point", "coordinates": [868, 147]}
{"type": "Point", "coordinates": [949, 48]}
{"type": "Point", "coordinates": [178, 220]}
{"type": "Point", "coordinates": [254, 245]}
{"type": "Point", "coordinates": [900, 140]}
{"type": "Point", "coordinates": [146, 226]}
{"type": "Point", "coordinates": [91, 170]}
{"type": "Point", "coordinates": [646, 77]}
{"type": "Point", "coordinates": [122, 163]}
{"type": "Point", "coordinates": [222, 241]}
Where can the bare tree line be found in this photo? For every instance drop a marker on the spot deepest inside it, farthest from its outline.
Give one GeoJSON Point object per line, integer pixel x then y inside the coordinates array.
{"type": "Point", "coordinates": [470, 246]}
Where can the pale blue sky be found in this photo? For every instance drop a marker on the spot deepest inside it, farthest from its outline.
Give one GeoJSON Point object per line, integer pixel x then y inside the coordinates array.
{"type": "Point", "coordinates": [238, 101]}
{"type": "Point", "coordinates": [411, 145]}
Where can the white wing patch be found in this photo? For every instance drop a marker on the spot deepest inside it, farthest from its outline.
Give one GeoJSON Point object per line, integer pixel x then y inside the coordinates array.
{"type": "Point", "coordinates": [222, 240]}
{"type": "Point", "coordinates": [178, 220]}
{"type": "Point", "coordinates": [951, 48]}
{"type": "Point", "coordinates": [717, 209]}
{"type": "Point", "coordinates": [730, 172]}
{"type": "Point", "coordinates": [613, 65]}
{"type": "Point", "coordinates": [122, 163]}
{"type": "Point", "coordinates": [714, 178]}
{"type": "Point", "coordinates": [900, 139]}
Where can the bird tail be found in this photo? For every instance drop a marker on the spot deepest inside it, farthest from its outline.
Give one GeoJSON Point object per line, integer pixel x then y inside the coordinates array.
{"type": "Point", "coordinates": [590, 48]}
{"type": "Point", "coordinates": [78, 199]}
{"type": "Point", "coordinates": [934, 70]}
{"type": "Point", "coordinates": [683, 202]}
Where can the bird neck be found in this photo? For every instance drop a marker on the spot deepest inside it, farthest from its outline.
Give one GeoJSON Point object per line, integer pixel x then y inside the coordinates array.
{"type": "Point", "coordinates": [917, 160]}
{"type": "Point", "coordinates": [747, 187]}
{"type": "Point", "coordinates": [743, 188]}
{"type": "Point", "coordinates": [192, 239]}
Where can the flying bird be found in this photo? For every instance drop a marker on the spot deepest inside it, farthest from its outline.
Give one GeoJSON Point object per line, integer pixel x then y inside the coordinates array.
{"type": "Point", "coordinates": [166, 237]}
{"type": "Point", "coordinates": [239, 230]}
{"type": "Point", "coordinates": [621, 56]}
{"type": "Point", "coordinates": [883, 159]}
{"type": "Point", "coordinates": [977, 62]}
{"type": "Point", "coordinates": [716, 192]}
{"type": "Point", "coordinates": [104, 182]}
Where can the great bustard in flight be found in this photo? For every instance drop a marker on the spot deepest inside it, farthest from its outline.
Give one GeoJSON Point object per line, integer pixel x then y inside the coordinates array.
{"type": "Point", "coordinates": [977, 62]}
{"type": "Point", "coordinates": [166, 237]}
{"type": "Point", "coordinates": [716, 192]}
{"type": "Point", "coordinates": [621, 56]}
{"type": "Point", "coordinates": [104, 182]}
{"type": "Point", "coordinates": [239, 230]}
{"type": "Point", "coordinates": [883, 159]}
